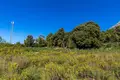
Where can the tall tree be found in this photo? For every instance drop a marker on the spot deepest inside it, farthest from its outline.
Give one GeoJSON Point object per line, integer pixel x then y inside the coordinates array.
{"type": "Point", "coordinates": [29, 42]}
{"type": "Point", "coordinates": [49, 40]}
{"type": "Point", "coordinates": [41, 41]}
{"type": "Point", "coordinates": [58, 38]}
{"type": "Point", "coordinates": [70, 42]}
{"type": "Point", "coordinates": [87, 35]}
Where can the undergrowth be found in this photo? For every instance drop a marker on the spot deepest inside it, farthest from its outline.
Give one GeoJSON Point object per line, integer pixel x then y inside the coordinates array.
{"type": "Point", "coordinates": [20, 63]}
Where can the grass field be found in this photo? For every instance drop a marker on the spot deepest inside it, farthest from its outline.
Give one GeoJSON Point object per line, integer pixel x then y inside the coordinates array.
{"type": "Point", "coordinates": [17, 63]}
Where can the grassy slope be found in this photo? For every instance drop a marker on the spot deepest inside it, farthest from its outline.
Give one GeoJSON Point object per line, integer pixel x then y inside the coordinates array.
{"type": "Point", "coordinates": [18, 63]}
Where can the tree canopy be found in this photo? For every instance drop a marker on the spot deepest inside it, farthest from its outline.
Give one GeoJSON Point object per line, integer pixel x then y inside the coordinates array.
{"type": "Point", "coordinates": [87, 35]}
{"type": "Point", "coordinates": [29, 42]}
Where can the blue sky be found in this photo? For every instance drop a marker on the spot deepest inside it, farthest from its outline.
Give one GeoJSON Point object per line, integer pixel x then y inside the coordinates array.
{"type": "Point", "coordinates": [40, 17]}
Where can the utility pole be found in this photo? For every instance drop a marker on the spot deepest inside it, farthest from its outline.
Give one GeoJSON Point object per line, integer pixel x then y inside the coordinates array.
{"type": "Point", "coordinates": [11, 35]}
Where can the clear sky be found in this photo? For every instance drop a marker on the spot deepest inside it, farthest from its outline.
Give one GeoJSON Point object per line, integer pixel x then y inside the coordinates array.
{"type": "Point", "coordinates": [40, 17]}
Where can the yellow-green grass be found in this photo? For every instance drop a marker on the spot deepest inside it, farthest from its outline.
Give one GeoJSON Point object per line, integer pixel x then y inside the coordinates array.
{"type": "Point", "coordinates": [17, 63]}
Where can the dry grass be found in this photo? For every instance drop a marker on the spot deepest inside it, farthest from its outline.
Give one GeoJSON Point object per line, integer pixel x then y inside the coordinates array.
{"type": "Point", "coordinates": [59, 64]}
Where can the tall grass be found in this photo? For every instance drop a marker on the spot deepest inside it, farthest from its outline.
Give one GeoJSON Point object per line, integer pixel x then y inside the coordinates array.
{"type": "Point", "coordinates": [19, 63]}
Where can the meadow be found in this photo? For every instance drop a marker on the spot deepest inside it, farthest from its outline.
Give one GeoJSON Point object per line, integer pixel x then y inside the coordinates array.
{"type": "Point", "coordinates": [20, 63]}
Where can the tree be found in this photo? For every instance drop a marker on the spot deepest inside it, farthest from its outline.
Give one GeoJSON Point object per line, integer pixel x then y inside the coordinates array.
{"type": "Point", "coordinates": [49, 40]}
{"type": "Point", "coordinates": [117, 33]}
{"type": "Point", "coordinates": [70, 42]}
{"type": "Point", "coordinates": [87, 35]}
{"type": "Point", "coordinates": [29, 42]}
{"type": "Point", "coordinates": [111, 35]}
{"type": "Point", "coordinates": [41, 41]}
{"type": "Point", "coordinates": [18, 43]}
{"type": "Point", "coordinates": [58, 38]}
{"type": "Point", "coordinates": [66, 38]}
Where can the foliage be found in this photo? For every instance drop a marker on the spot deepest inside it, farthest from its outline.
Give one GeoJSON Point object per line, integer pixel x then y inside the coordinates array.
{"type": "Point", "coordinates": [58, 38]}
{"type": "Point", "coordinates": [29, 42]}
{"type": "Point", "coordinates": [70, 42]}
{"type": "Point", "coordinates": [18, 43]}
{"type": "Point", "coordinates": [49, 40]}
{"type": "Point", "coordinates": [84, 61]}
{"type": "Point", "coordinates": [40, 42]}
{"type": "Point", "coordinates": [87, 35]}
{"type": "Point", "coordinates": [84, 36]}
{"type": "Point", "coordinates": [112, 35]}
{"type": "Point", "coordinates": [20, 63]}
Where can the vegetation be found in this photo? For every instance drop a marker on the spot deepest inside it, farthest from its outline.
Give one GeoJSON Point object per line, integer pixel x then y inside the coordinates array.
{"type": "Point", "coordinates": [84, 36]}
{"type": "Point", "coordinates": [87, 35]}
{"type": "Point", "coordinates": [29, 42]}
{"type": "Point", "coordinates": [40, 42]}
{"type": "Point", "coordinates": [20, 63]}
{"type": "Point", "coordinates": [85, 53]}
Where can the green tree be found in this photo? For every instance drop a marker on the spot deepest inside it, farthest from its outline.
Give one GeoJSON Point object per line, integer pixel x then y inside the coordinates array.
{"type": "Point", "coordinates": [49, 40]}
{"type": "Point", "coordinates": [58, 38]}
{"type": "Point", "coordinates": [117, 33]}
{"type": "Point", "coordinates": [70, 42]}
{"type": "Point", "coordinates": [111, 35]}
{"type": "Point", "coordinates": [29, 42]}
{"type": "Point", "coordinates": [87, 35]}
{"type": "Point", "coordinates": [18, 43]}
{"type": "Point", "coordinates": [41, 41]}
{"type": "Point", "coordinates": [66, 38]}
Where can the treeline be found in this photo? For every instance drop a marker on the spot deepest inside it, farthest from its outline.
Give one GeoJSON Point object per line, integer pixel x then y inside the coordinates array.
{"type": "Point", "coordinates": [87, 35]}
{"type": "Point", "coordinates": [84, 36]}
